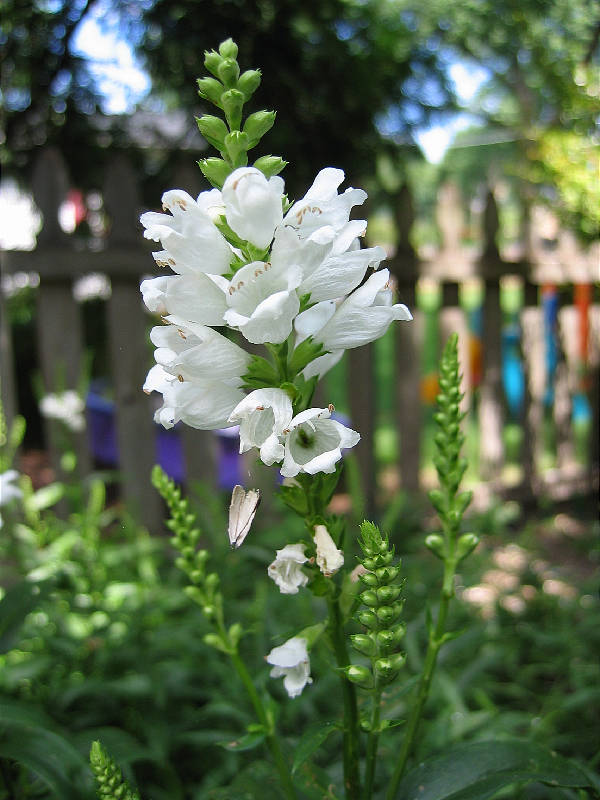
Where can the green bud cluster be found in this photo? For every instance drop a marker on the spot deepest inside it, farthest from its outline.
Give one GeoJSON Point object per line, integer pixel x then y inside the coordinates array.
{"type": "Point", "coordinates": [382, 607]}
{"type": "Point", "coordinates": [229, 90]}
{"type": "Point", "coordinates": [110, 783]}
{"type": "Point", "coordinates": [203, 588]}
{"type": "Point", "coordinates": [449, 503]}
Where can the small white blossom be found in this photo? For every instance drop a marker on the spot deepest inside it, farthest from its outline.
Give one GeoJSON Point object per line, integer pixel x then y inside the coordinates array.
{"type": "Point", "coordinates": [290, 661]}
{"type": "Point", "coordinates": [262, 301]}
{"type": "Point", "coordinates": [329, 558]}
{"type": "Point", "coordinates": [194, 297]}
{"type": "Point", "coordinates": [262, 416]}
{"type": "Point", "coordinates": [192, 243]}
{"type": "Point", "coordinates": [362, 317]}
{"type": "Point", "coordinates": [286, 570]}
{"type": "Point", "coordinates": [314, 443]}
{"type": "Point", "coordinates": [322, 206]}
{"type": "Point", "coordinates": [253, 205]}
{"type": "Point", "coordinates": [66, 407]}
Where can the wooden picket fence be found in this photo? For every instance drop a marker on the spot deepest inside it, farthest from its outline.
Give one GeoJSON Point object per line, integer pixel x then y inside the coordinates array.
{"type": "Point", "coordinates": [565, 272]}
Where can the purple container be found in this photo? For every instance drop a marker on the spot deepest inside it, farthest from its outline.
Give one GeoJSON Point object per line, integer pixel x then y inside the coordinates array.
{"type": "Point", "coordinates": [102, 435]}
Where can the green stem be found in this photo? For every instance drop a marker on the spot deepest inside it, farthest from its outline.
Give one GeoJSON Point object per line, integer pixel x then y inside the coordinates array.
{"type": "Point", "coordinates": [435, 642]}
{"type": "Point", "coordinates": [272, 741]}
{"type": "Point", "coordinates": [372, 743]}
{"type": "Point", "coordinates": [351, 749]}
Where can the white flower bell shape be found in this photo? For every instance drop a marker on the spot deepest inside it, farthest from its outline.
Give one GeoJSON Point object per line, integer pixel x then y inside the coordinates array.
{"type": "Point", "coordinates": [286, 570]}
{"type": "Point", "coordinates": [262, 301]}
{"type": "Point", "coordinates": [202, 404]}
{"type": "Point", "coordinates": [362, 317]}
{"type": "Point", "coordinates": [192, 352]}
{"type": "Point", "coordinates": [253, 205]}
{"type": "Point", "coordinates": [322, 205]}
{"type": "Point", "coordinates": [262, 415]}
{"type": "Point", "coordinates": [314, 442]}
{"type": "Point", "coordinates": [290, 661]}
{"type": "Point", "coordinates": [329, 558]}
{"type": "Point", "coordinates": [66, 407]}
{"type": "Point", "coordinates": [192, 243]}
{"type": "Point", "coordinates": [195, 298]}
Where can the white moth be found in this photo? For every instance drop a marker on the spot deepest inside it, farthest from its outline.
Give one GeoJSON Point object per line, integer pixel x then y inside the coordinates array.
{"type": "Point", "coordinates": [241, 513]}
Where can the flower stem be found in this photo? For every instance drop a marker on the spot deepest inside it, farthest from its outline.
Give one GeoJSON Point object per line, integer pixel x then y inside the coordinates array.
{"type": "Point", "coordinates": [351, 749]}
{"type": "Point", "coordinates": [272, 741]}
{"type": "Point", "coordinates": [372, 743]}
{"type": "Point", "coordinates": [435, 642]}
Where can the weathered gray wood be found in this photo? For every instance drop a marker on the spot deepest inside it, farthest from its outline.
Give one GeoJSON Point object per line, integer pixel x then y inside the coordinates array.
{"type": "Point", "coordinates": [409, 420]}
{"type": "Point", "coordinates": [491, 406]}
{"type": "Point", "coordinates": [129, 353]}
{"type": "Point", "coordinates": [50, 184]}
{"type": "Point", "coordinates": [532, 326]}
{"type": "Point", "coordinates": [361, 395]}
{"type": "Point", "coordinates": [60, 348]}
{"type": "Point", "coordinates": [8, 391]}
{"type": "Point", "coordinates": [136, 431]}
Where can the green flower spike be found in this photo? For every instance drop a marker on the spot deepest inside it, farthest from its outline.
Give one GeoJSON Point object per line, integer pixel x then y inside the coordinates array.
{"type": "Point", "coordinates": [110, 782]}
{"type": "Point", "coordinates": [229, 90]}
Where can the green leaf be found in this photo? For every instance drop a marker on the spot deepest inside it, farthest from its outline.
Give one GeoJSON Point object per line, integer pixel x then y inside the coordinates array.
{"type": "Point", "coordinates": [295, 498]}
{"type": "Point", "coordinates": [304, 353]}
{"type": "Point", "coordinates": [51, 757]}
{"type": "Point", "coordinates": [46, 496]}
{"type": "Point", "coordinates": [261, 373]}
{"type": "Point", "coordinates": [311, 740]}
{"type": "Point", "coordinates": [476, 771]}
{"type": "Point", "coordinates": [16, 604]}
{"type": "Point", "coordinates": [246, 742]}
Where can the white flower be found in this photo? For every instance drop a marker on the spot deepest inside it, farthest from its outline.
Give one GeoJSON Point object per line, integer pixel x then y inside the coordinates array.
{"type": "Point", "coordinates": [322, 206]}
{"type": "Point", "coordinates": [314, 443]}
{"type": "Point", "coordinates": [253, 205]}
{"type": "Point", "coordinates": [361, 318]}
{"type": "Point", "coordinates": [262, 300]}
{"type": "Point", "coordinates": [192, 352]}
{"type": "Point", "coordinates": [66, 407]}
{"type": "Point", "coordinates": [286, 570]}
{"type": "Point", "coordinates": [8, 490]}
{"type": "Point", "coordinates": [290, 661]}
{"type": "Point", "coordinates": [192, 244]}
{"type": "Point", "coordinates": [262, 415]}
{"type": "Point", "coordinates": [202, 404]}
{"type": "Point", "coordinates": [329, 558]}
{"type": "Point", "coordinates": [194, 297]}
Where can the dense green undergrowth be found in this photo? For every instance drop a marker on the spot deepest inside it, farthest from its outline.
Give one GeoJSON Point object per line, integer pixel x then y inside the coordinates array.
{"type": "Point", "coordinates": [98, 641]}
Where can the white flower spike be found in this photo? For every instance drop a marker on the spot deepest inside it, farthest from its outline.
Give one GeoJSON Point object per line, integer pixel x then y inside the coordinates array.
{"type": "Point", "coordinates": [290, 661]}
{"type": "Point", "coordinates": [329, 558]}
{"type": "Point", "coordinates": [286, 570]}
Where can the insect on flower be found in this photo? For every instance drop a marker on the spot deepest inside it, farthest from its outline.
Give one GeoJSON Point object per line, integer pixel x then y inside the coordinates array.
{"type": "Point", "coordinates": [241, 513]}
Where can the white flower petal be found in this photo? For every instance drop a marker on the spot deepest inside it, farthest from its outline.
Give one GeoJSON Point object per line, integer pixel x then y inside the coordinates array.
{"type": "Point", "coordinates": [290, 661]}
{"type": "Point", "coordinates": [253, 205]}
{"type": "Point", "coordinates": [286, 569]}
{"type": "Point", "coordinates": [329, 558]}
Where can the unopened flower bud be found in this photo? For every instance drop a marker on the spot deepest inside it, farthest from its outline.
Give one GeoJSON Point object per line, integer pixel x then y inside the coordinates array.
{"type": "Point", "coordinates": [387, 574]}
{"type": "Point", "coordinates": [232, 102]}
{"type": "Point", "coordinates": [210, 89]}
{"type": "Point", "coordinates": [369, 579]}
{"type": "Point", "coordinates": [465, 545]}
{"type": "Point", "coordinates": [236, 144]}
{"type": "Point", "coordinates": [270, 165]}
{"type": "Point", "coordinates": [369, 598]}
{"type": "Point", "coordinates": [235, 633]}
{"type": "Point", "coordinates": [387, 594]}
{"type": "Point", "coordinates": [212, 581]}
{"type": "Point", "coordinates": [213, 129]}
{"type": "Point", "coordinates": [212, 640]}
{"type": "Point", "coordinates": [215, 170]}
{"type": "Point", "coordinates": [388, 667]}
{"type": "Point", "coordinates": [212, 62]}
{"type": "Point", "coordinates": [248, 82]}
{"type": "Point", "coordinates": [389, 614]}
{"type": "Point", "coordinates": [436, 544]}
{"type": "Point", "coordinates": [359, 675]}
{"type": "Point", "coordinates": [228, 49]}
{"type": "Point", "coordinates": [364, 644]}
{"type": "Point", "coordinates": [367, 618]}
{"type": "Point", "coordinates": [258, 124]}
{"type": "Point", "coordinates": [228, 71]}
